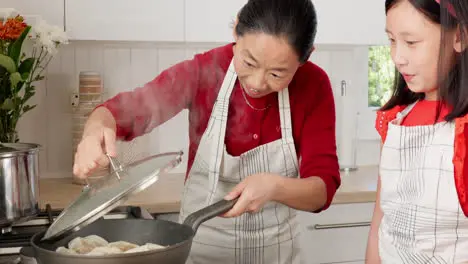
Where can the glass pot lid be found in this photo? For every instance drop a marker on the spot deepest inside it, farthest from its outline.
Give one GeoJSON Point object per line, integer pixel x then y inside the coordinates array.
{"type": "Point", "coordinates": [102, 196]}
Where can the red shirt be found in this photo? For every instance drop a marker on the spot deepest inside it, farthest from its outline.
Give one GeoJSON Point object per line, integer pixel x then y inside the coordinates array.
{"type": "Point", "coordinates": [194, 85]}
{"type": "Point", "coordinates": [424, 113]}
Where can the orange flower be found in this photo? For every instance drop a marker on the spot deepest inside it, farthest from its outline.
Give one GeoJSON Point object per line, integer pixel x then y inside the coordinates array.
{"type": "Point", "coordinates": [12, 28]}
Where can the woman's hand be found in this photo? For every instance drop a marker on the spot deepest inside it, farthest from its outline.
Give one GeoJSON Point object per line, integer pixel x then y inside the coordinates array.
{"type": "Point", "coordinates": [90, 154]}
{"type": "Point", "coordinates": [98, 139]}
{"type": "Point", "coordinates": [254, 192]}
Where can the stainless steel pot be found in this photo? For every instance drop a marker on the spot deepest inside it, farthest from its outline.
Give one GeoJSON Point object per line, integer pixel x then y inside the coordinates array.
{"type": "Point", "coordinates": [19, 182]}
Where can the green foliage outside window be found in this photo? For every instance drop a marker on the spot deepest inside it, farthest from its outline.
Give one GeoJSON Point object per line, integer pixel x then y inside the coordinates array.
{"type": "Point", "coordinates": [381, 74]}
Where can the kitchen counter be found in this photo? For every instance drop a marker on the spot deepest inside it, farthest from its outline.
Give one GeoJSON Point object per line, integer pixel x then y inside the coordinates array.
{"type": "Point", "coordinates": [161, 197]}
{"type": "Point", "coordinates": [164, 196]}
{"type": "Point", "coordinates": [358, 186]}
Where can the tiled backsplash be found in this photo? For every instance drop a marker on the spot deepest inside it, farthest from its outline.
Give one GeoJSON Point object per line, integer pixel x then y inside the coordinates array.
{"type": "Point", "coordinates": [123, 67]}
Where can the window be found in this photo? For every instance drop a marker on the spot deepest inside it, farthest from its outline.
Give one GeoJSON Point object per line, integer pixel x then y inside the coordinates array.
{"type": "Point", "coordinates": [381, 74]}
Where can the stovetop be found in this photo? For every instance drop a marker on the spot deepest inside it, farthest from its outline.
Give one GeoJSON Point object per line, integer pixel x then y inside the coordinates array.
{"type": "Point", "coordinates": [12, 239]}
{"type": "Point", "coordinates": [18, 235]}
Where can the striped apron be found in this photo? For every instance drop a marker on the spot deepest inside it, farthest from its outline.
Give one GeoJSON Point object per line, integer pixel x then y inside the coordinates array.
{"type": "Point", "coordinates": [422, 218]}
{"type": "Point", "coordinates": [269, 236]}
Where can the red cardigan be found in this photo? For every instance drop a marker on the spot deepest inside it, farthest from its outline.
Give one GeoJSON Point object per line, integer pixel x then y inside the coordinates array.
{"type": "Point", "coordinates": [460, 162]}
{"type": "Point", "coordinates": [194, 85]}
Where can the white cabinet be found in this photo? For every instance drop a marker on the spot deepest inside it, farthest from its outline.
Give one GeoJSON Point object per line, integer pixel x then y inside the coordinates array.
{"type": "Point", "coordinates": [211, 20]}
{"type": "Point", "coordinates": [360, 22]}
{"type": "Point", "coordinates": [49, 10]}
{"type": "Point", "coordinates": [196, 20]}
{"type": "Point", "coordinates": [337, 235]}
{"type": "Point", "coordinates": [123, 20]}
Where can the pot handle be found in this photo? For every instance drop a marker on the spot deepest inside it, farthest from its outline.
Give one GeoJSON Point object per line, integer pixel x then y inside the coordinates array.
{"type": "Point", "coordinates": [195, 219]}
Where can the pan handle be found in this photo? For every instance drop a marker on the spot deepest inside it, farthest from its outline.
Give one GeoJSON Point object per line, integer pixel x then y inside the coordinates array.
{"type": "Point", "coordinates": [195, 219]}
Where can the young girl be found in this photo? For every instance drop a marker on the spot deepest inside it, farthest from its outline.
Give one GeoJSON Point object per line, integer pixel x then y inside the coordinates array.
{"type": "Point", "coordinates": [421, 208]}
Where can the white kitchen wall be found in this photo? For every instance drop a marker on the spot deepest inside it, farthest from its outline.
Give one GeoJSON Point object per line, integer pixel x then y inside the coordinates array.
{"type": "Point", "coordinates": [127, 65]}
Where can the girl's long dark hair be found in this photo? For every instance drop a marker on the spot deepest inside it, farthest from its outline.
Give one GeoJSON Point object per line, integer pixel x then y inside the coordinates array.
{"type": "Point", "coordinates": [453, 78]}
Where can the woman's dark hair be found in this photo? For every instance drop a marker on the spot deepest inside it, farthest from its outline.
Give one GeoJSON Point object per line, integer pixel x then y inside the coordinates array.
{"type": "Point", "coordinates": [296, 20]}
{"type": "Point", "coordinates": [453, 78]}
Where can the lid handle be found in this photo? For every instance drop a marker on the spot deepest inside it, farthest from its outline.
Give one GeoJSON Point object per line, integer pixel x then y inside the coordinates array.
{"type": "Point", "coordinates": [116, 166]}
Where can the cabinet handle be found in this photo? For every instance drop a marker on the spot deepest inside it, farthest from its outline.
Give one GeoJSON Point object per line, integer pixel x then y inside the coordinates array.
{"type": "Point", "coordinates": [342, 225]}
{"type": "Point", "coordinates": [343, 88]}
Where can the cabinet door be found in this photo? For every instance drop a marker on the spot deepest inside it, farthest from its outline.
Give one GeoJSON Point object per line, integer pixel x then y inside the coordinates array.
{"type": "Point", "coordinates": [330, 245]}
{"type": "Point", "coordinates": [211, 20]}
{"type": "Point", "coordinates": [359, 22]}
{"type": "Point", "coordinates": [138, 20]}
{"type": "Point", "coordinates": [49, 10]}
{"type": "Point", "coordinates": [337, 235]}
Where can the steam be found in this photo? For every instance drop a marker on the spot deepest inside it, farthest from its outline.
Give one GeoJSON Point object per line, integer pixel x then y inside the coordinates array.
{"type": "Point", "coordinates": [191, 84]}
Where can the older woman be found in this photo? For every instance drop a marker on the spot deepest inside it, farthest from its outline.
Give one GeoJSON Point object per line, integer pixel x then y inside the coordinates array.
{"type": "Point", "coordinates": [262, 128]}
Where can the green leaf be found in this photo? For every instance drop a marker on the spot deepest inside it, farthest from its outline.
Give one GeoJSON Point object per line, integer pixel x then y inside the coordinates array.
{"type": "Point", "coordinates": [25, 76]}
{"type": "Point", "coordinates": [27, 108]}
{"type": "Point", "coordinates": [14, 50]}
{"type": "Point", "coordinates": [30, 88]}
{"type": "Point", "coordinates": [8, 104]}
{"type": "Point", "coordinates": [18, 87]}
{"type": "Point", "coordinates": [26, 66]}
{"type": "Point", "coordinates": [39, 78]}
{"type": "Point", "coordinates": [28, 95]}
{"type": "Point", "coordinates": [7, 63]}
{"type": "Point", "coordinates": [15, 78]}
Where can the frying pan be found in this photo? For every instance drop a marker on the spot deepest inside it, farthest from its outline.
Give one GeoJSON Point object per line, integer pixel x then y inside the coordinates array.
{"type": "Point", "coordinates": [176, 237]}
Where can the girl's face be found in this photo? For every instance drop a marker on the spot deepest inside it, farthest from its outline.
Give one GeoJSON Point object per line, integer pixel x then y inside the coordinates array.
{"type": "Point", "coordinates": [415, 44]}
{"type": "Point", "coordinates": [264, 63]}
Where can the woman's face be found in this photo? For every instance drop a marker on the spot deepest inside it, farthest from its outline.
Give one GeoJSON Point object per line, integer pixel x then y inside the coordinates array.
{"type": "Point", "coordinates": [264, 63]}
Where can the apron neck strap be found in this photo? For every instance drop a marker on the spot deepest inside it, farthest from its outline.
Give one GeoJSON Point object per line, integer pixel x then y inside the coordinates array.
{"type": "Point", "coordinates": [285, 116]}
{"type": "Point", "coordinates": [401, 115]}
{"type": "Point", "coordinates": [406, 111]}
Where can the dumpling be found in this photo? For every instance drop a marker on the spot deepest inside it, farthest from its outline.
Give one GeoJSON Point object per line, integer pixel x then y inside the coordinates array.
{"type": "Point", "coordinates": [83, 245]}
{"type": "Point", "coordinates": [137, 249]}
{"type": "Point", "coordinates": [152, 246]}
{"type": "Point", "coordinates": [146, 247]}
{"type": "Point", "coordinates": [80, 245]}
{"type": "Point", "coordinates": [65, 250]}
{"type": "Point", "coordinates": [102, 251]}
{"type": "Point", "coordinates": [94, 245]}
{"type": "Point", "coordinates": [96, 241]}
{"type": "Point", "coordinates": [122, 245]}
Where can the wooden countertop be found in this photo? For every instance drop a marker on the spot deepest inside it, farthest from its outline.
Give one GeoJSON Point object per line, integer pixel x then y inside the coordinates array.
{"type": "Point", "coordinates": [164, 196]}
{"type": "Point", "coordinates": [161, 197]}
{"type": "Point", "coordinates": [358, 186]}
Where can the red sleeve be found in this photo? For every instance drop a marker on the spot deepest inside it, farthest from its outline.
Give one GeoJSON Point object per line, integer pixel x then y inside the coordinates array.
{"type": "Point", "coordinates": [383, 118]}
{"type": "Point", "coordinates": [137, 112]}
{"type": "Point", "coordinates": [460, 161]}
{"type": "Point", "coordinates": [318, 145]}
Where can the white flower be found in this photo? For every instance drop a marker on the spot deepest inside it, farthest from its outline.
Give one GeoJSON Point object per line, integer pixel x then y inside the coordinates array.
{"type": "Point", "coordinates": [58, 36]}
{"type": "Point", "coordinates": [6, 13]}
{"type": "Point", "coordinates": [48, 36]}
